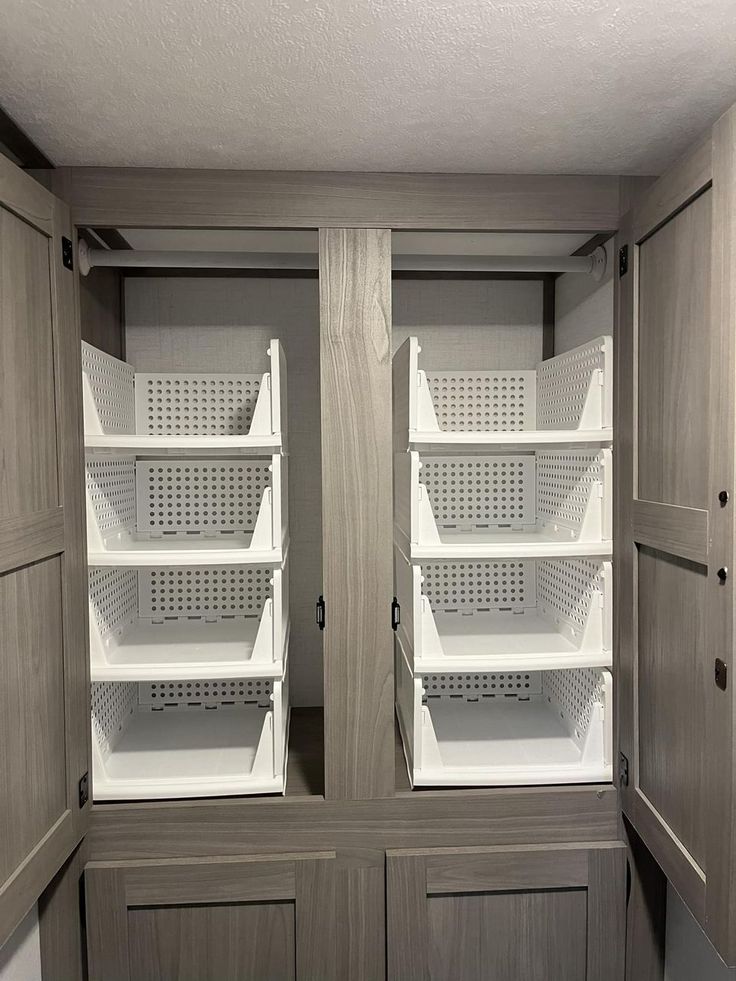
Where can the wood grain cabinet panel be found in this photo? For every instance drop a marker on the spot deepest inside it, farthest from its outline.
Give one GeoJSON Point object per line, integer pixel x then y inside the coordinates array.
{"type": "Point", "coordinates": [44, 690]}
{"type": "Point", "coordinates": [499, 914]}
{"type": "Point", "coordinates": [265, 918]}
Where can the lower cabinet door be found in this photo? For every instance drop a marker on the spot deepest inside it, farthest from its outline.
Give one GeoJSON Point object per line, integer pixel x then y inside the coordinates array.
{"type": "Point", "coordinates": [261, 918]}
{"type": "Point", "coordinates": [534, 912]}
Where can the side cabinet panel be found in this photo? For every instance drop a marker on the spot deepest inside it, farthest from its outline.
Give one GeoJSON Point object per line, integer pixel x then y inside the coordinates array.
{"type": "Point", "coordinates": [540, 913]}
{"type": "Point", "coordinates": [266, 918]}
{"type": "Point", "coordinates": [44, 691]}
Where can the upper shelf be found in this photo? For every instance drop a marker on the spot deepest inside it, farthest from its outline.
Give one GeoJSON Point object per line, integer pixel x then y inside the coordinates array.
{"type": "Point", "coordinates": [566, 401]}
{"type": "Point", "coordinates": [160, 413]}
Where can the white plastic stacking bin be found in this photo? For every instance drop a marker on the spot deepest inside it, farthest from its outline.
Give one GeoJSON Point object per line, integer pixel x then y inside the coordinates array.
{"type": "Point", "coordinates": [505, 615]}
{"type": "Point", "coordinates": [553, 503]}
{"type": "Point", "coordinates": [188, 623]}
{"type": "Point", "coordinates": [566, 401]}
{"type": "Point", "coordinates": [170, 739]}
{"type": "Point", "coordinates": [159, 413]}
{"type": "Point", "coordinates": [505, 728]}
{"type": "Point", "coordinates": [164, 512]}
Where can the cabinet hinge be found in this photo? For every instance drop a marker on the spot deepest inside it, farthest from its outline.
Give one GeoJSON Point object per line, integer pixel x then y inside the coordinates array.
{"type": "Point", "coordinates": [320, 612]}
{"type": "Point", "coordinates": [623, 260]}
{"type": "Point", "coordinates": [395, 614]}
{"type": "Point", "coordinates": [721, 674]}
{"type": "Point", "coordinates": [67, 252]}
{"type": "Point", "coordinates": [623, 770]}
{"type": "Point", "coordinates": [84, 790]}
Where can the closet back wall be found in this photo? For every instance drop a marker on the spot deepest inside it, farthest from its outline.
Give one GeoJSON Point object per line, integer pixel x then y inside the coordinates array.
{"type": "Point", "coordinates": [225, 324]}
{"type": "Point", "coordinates": [200, 323]}
{"type": "Point", "coordinates": [470, 324]}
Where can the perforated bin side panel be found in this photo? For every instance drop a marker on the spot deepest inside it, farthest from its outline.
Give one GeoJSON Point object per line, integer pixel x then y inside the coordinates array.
{"type": "Point", "coordinates": [566, 481]}
{"type": "Point", "coordinates": [479, 586]}
{"type": "Point", "coordinates": [112, 703]}
{"type": "Point", "coordinates": [114, 597]}
{"type": "Point", "coordinates": [199, 496]}
{"type": "Point", "coordinates": [476, 685]}
{"type": "Point", "coordinates": [574, 692]}
{"type": "Point", "coordinates": [111, 490]}
{"type": "Point", "coordinates": [111, 383]}
{"type": "Point", "coordinates": [567, 588]}
{"type": "Point", "coordinates": [195, 404]}
{"type": "Point", "coordinates": [483, 402]}
{"type": "Point", "coordinates": [480, 490]}
{"type": "Point", "coordinates": [204, 592]}
{"type": "Point", "coordinates": [183, 693]}
{"type": "Point", "coordinates": [563, 384]}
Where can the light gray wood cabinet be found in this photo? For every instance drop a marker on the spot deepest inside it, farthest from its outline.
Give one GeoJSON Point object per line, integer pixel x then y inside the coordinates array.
{"type": "Point", "coordinates": [542, 913]}
{"type": "Point", "coordinates": [674, 529]}
{"type": "Point", "coordinates": [44, 690]}
{"type": "Point", "coordinates": [264, 918]}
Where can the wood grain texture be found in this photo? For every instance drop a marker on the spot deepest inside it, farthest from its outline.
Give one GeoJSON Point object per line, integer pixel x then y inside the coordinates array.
{"type": "Point", "coordinates": [512, 920]}
{"type": "Point", "coordinates": [28, 477]}
{"type": "Point", "coordinates": [662, 421]}
{"type": "Point", "coordinates": [228, 881]}
{"type": "Point", "coordinates": [139, 197]}
{"type": "Point", "coordinates": [355, 363]}
{"type": "Point", "coordinates": [26, 197]}
{"type": "Point", "coordinates": [686, 178]}
{"type": "Point", "coordinates": [63, 953]}
{"type": "Point", "coordinates": [407, 931]}
{"type": "Point", "coordinates": [31, 651]}
{"type": "Point", "coordinates": [248, 942]}
{"type": "Point", "coordinates": [44, 743]}
{"type": "Point", "coordinates": [668, 528]}
{"type": "Point", "coordinates": [674, 359]}
{"type": "Point", "coordinates": [646, 913]}
{"type": "Point", "coordinates": [361, 918]}
{"type": "Point", "coordinates": [606, 918]}
{"type": "Point", "coordinates": [720, 903]}
{"type": "Point", "coordinates": [428, 819]}
{"type": "Point", "coordinates": [673, 665]}
{"type": "Point", "coordinates": [70, 453]}
{"type": "Point", "coordinates": [256, 917]}
{"type": "Point", "coordinates": [479, 870]}
{"type": "Point", "coordinates": [505, 936]}
{"type": "Point", "coordinates": [318, 919]}
{"type": "Point", "coordinates": [28, 538]}
{"type": "Point", "coordinates": [107, 925]}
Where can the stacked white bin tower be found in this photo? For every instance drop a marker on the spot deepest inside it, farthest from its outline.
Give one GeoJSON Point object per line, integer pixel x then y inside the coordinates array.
{"type": "Point", "coordinates": [188, 580]}
{"type": "Point", "coordinates": [502, 487]}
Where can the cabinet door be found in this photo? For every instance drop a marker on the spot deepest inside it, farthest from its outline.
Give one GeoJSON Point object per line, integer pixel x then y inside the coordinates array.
{"type": "Point", "coordinates": [674, 523]}
{"type": "Point", "coordinates": [266, 918]}
{"type": "Point", "coordinates": [542, 913]}
{"type": "Point", "coordinates": [44, 689]}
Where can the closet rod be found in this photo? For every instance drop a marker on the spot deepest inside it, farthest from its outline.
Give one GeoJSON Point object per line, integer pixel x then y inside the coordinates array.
{"type": "Point", "coordinates": [593, 264]}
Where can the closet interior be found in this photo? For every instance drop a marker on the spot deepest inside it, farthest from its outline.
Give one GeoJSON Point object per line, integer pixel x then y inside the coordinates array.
{"type": "Point", "coordinates": [202, 444]}
{"type": "Point", "coordinates": [502, 433]}
{"type": "Point", "coordinates": [200, 585]}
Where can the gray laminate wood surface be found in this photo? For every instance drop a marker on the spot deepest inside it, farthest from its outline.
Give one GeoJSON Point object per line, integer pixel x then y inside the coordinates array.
{"type": "Point", "coordinates": [357, 507]}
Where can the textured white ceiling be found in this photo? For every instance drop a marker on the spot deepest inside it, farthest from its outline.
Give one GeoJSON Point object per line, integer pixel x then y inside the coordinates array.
{"type": "Point", "coordinates": [598, 86]}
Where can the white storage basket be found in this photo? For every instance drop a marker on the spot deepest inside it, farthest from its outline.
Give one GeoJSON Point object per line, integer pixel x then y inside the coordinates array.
{"type": "Point", "coordinates": [148, 512]}
{"type": "Point", "coordinates": [566, 401]}
{"type": "Point", "coordinates": [505, 728]}
{"type": "Point", "coordinates": [161, 740]}
{"type": "Point", "coordinates": [159, 413]}
{"type": "Point", "coordinates": [188, 623]}
{"type": "Point", "coordinates": [505, 615]}
{"type": "Point", "coordinates": [552, 503]}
